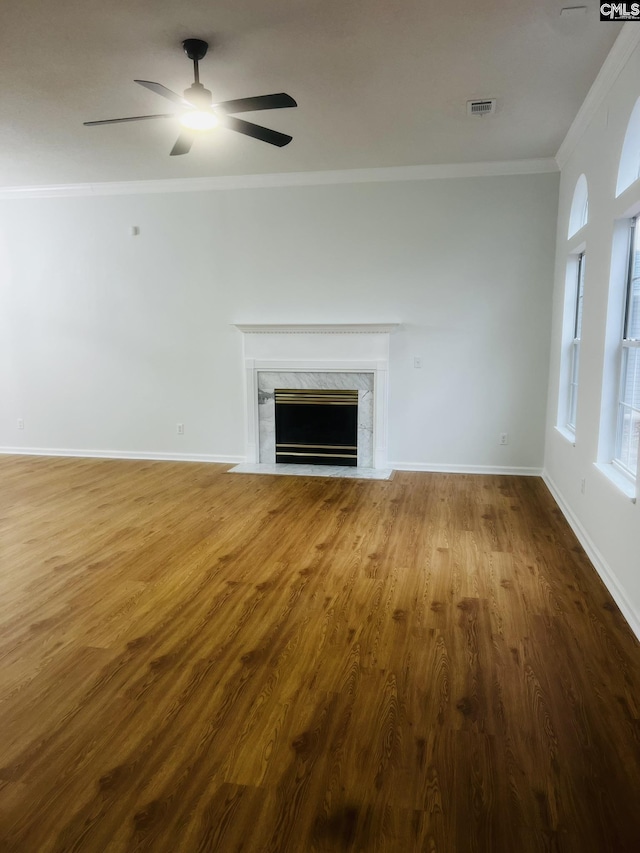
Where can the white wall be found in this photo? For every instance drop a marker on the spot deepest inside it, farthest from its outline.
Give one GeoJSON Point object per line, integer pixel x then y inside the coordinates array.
{"type": "Point", "coordinates": [605, 518]}
{"type": "Point", "coordinates": [108, 340]}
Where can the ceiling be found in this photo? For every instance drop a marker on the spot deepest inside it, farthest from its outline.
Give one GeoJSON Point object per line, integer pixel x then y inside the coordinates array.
{"type": "Point", "coordinates": [378, 83]}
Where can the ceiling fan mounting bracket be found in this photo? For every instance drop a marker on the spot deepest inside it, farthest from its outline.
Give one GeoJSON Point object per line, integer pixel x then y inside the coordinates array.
{"type": "Point", "coordinates": [196, 49]}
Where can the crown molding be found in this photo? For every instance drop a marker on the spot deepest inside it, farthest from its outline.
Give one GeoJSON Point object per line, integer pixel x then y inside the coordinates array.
{"type": "Point", "coordinates": [285, 179]}
{"type": "Point", "coordinates": [619, 55]}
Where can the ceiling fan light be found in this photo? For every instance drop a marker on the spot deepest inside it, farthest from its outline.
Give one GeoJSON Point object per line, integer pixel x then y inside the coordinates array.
{"type": "Point", "coordinates": [199, 120]}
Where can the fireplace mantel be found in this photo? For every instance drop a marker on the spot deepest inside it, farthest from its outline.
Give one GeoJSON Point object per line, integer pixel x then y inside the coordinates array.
{"type": "Point", "coordinates": [321, 348]}
{"type": "Point", "coordinates": [317, 328]}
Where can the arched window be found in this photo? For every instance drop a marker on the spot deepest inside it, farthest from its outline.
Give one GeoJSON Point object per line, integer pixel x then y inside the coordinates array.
{"type": "Point", "coordinates": [629, 169]}
{"type": "Point", "coordinates": [579, 206]}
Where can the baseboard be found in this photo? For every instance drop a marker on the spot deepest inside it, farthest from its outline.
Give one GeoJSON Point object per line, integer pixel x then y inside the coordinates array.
{"type": "Point", "coordinates": [120, 454]}
{"type": "Point", "coordinates": [599, 563]}
{"type": "Point", "coordinates": [437, 468]}
{"type": "Point", "coordinates": [237, 460]}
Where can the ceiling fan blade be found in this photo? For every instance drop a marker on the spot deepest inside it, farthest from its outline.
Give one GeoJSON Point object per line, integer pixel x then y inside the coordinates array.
{"type": "Point", "coordinates": [159, 89]}
{"type": "Point", "coordinates": [183, 143]}
{"type": "Point", "coordinates": [260, 102]}
{"type": "Point", "coordinates": [131, 118]}
{"type": "Point", "coordinates": [273, 137]}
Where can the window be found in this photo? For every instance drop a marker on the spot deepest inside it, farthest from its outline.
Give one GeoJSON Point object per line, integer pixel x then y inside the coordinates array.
{"type": "Point", "coordinates": [628, 425]}
{"type": "Point", "coordinates": [629, 169]}
{"type": "Point", "coordinates": [572, 311]}
{"type": "Point", "coordinates": [574, 360]}
{"type": "Point", "coordinates": [579, 213]}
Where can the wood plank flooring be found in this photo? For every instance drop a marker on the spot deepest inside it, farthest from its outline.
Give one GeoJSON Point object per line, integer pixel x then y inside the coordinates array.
{"type": "Point", "coordinates": [195, 661]}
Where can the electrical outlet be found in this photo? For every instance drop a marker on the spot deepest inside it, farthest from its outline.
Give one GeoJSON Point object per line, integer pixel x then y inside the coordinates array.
{"type": "Point", "coordinates": [504, 438]}
{"type": "Point", "coordinates": [20, 423]}
{"type": "Point", "coordinates": [583, 485]}
{"type": "Point", "coordinates": [417, 362]}
{"type": "Point", "coordinates": [180, 429]}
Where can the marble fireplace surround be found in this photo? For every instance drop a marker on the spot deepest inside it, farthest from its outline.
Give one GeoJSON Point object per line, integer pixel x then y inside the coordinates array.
{"type": "Point", "coordinates": [312, 356]}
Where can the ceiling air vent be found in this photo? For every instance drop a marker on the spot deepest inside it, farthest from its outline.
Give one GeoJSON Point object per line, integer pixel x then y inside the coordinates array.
{"type": "Point", "coordinates": [485, 107]}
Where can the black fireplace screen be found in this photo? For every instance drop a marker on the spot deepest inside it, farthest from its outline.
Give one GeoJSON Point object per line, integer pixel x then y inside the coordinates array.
{"type": "Point", "coordinates": [316, 426]}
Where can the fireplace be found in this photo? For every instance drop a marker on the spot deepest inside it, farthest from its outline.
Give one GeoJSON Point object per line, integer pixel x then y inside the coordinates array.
{"type": "Point", "coordinates": [312, 384]}
{"type": "Point", "coordinates": [316, 426]}
{"type": "Point", "coordinates": [316, 356]}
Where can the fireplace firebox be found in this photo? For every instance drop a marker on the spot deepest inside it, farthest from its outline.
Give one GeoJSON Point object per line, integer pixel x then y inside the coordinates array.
{"type": "Point", "coordinates": [316, 426]}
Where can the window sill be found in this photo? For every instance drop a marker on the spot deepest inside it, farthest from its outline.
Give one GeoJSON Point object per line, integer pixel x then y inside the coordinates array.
{"type": "Point", "coordinates": [567, 434]}
{"type": "Point", "coordinates": [624, 484]}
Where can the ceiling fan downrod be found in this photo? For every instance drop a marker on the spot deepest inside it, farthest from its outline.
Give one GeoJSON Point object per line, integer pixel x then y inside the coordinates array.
{"type": "Point", "coordinates": [196, 49]}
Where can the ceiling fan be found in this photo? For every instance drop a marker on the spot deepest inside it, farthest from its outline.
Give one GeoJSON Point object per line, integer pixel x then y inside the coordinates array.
{"type": "Point", "coordinates": [200, 113]}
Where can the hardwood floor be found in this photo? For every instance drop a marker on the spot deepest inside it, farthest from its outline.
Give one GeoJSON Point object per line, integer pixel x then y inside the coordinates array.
{"type": "Point", "coordinates": [199, 661]}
